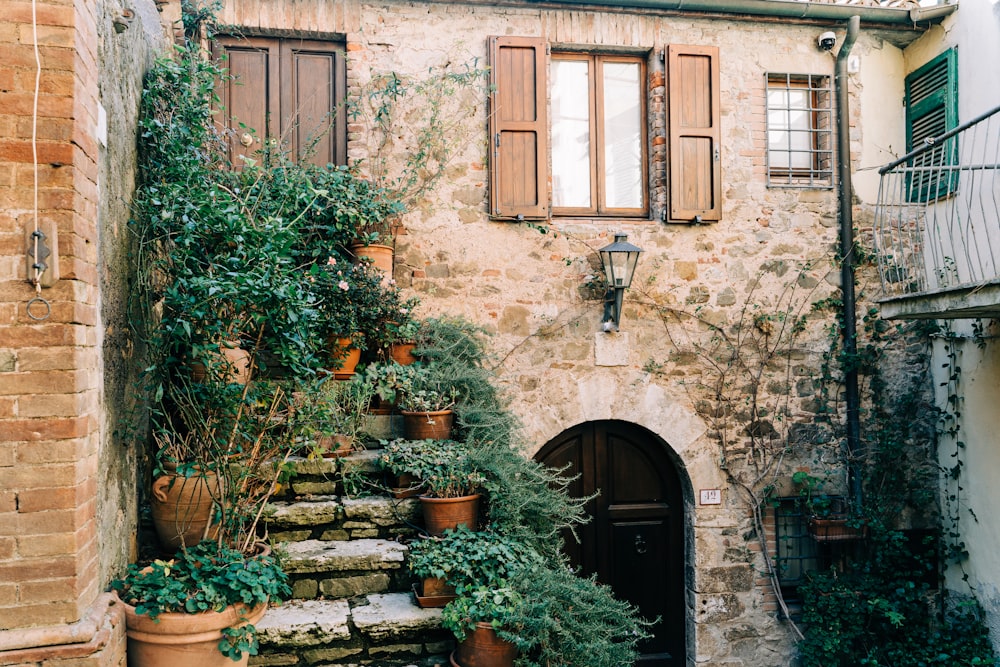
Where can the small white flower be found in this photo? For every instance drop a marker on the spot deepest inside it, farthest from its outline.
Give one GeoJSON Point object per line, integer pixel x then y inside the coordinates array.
{"type": "Point", "coordinates": [343, 285]}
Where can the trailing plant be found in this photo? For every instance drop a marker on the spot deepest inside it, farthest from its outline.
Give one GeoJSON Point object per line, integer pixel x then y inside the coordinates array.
{"type": "Point", "coordinates": [570, 620]}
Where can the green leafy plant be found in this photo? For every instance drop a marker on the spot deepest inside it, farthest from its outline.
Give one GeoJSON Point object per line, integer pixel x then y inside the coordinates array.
{"type": "Point", "coordinates": [331, 407]}
{"type": "Point", "coordinates": [426, 390]}
{"type": "Point", "coordinates": [485, 604]}
{"type": "Point", "coordinates": [467, 559]}
{"type": "Point", "coordinates": [443, 467]}
{"type": "Point", "coordinates": [388, 379]}
{"type": "Point", "coordinates": [206, 577]}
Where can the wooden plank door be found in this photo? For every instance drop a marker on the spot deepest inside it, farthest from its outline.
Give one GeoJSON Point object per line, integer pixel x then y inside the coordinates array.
{"type": "Point", "coordinates": [635, 540]}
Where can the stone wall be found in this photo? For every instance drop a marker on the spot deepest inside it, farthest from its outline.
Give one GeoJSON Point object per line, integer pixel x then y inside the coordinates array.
{"type": "Point", "coordinates": [67, 499]}
{"type": "Point", "coordinates": [773, 251]}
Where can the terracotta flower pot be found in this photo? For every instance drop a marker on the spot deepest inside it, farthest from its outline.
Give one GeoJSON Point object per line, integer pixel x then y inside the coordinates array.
{"type": "Point", "coordinates": [335, 446]}
{"type": "Point", "coordinates": [441, 514]}
{"type": "Point", "coordinates": [428, 425]}
{"type": "Point", "coordinates": [237, 364]}
{"type": "Point", "coordinates": [379, 255]}
{"type": "Point", "coordinates": [433, 592]}
{"type": "Point", "coordinates": [402, 353]}
{"type": "Point", "coordinates": [177, 639]}
{"type": "Point", "coordinates": [182, 508]}
{"type": "Point", "coordinates": [482, 648]}
{"type": "Point", "coordinates": [405, 486]}
{"type": "Point", "coordinates": [345, 357]}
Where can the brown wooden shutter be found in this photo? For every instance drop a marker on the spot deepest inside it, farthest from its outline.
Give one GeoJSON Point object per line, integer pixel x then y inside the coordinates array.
{"type": "Point", "coordinates": [249, 96]}
{"type": "Point", "coordinates": [518, 127]}
{"type": "Point", "coordinates": [694, 132]}
{"type": "Point", "coordinates": [313, 76]}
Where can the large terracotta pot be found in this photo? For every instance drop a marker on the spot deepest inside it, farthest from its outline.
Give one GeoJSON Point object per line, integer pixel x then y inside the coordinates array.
{"type": "Point", "coordinates": [482, 648]}
{"type": "Point", "coordinates": [379, 255]}
{"type": "Point", "coordinates": [182, 508]}
{"type": "Point", "coordinates": [441, 514]}
{"type": "Point", "coordinates": [185, 640]}
{"type": "Point", "coordinates": [427, 425]}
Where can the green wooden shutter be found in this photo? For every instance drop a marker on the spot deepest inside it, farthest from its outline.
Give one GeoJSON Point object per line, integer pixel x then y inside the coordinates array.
{"type": "Point", "coordinates": [932, 110]}
{"type": "Point", "coordinates": [694, 131]}
{"type": "Point", "coordinates": [518, 128]}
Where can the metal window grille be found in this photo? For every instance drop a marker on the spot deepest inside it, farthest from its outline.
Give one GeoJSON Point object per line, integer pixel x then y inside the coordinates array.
{"type": "Point", "coordinates": [799, 131]}
{"type": "Point", "coordinates": [796, 553]}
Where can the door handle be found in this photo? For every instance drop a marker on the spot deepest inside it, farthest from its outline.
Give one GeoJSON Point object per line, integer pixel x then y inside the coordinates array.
{"type": "Point", "coordinates": [640, 544]}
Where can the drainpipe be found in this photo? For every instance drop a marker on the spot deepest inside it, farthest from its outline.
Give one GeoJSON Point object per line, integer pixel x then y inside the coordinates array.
{"type": "Point", "coordinates": [849, 315]}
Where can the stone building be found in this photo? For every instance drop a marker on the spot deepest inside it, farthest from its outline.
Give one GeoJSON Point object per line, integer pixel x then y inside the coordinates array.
{"type": "Point", "coordinates": [708, 132]}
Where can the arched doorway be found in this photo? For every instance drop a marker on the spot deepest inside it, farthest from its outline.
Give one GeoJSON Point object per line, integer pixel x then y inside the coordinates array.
{"type": "Point", "coordinates": [635, 540]}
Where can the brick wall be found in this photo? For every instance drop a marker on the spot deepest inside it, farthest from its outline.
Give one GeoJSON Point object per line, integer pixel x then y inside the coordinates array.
{"type": "Point", "coordinates": [52, 425]}
{"type": "Point", "coordinates": [49, 372]}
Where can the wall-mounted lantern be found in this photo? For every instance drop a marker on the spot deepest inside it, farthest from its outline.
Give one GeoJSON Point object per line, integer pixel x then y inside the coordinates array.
{"type": "Point", "coordinates": [619, 259]}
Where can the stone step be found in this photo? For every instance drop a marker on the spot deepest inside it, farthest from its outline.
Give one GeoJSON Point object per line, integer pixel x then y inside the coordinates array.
{"type": "Point", "coordinates": [327, 476]}
{"type": "Point", "coordinates": [331, 517]}
{"type": "Point", "coordinates": [345, 569]}
{"type": "Point", "coordinates": [386, 630]}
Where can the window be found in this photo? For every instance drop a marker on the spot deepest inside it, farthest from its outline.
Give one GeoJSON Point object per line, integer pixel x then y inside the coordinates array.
{"type": "Point", "coordinates": [290, 89]}
{"type": "Point", "coordinates": [795, 552]}
{"type": "Point", "coordinates": [597, 135]}
{"type": "Point", "coordinates": [799, 131]}
{"type": "Point", "coordinates": [931, 110]}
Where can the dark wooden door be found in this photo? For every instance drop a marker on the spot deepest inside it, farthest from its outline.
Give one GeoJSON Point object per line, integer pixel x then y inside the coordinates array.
{"type": "Point", "coordinates": [635, 540]}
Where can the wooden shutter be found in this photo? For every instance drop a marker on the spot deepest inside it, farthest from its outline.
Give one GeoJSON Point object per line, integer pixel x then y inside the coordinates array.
{"type": "Point", "coordinates": [694, 132]}
{"type": "Point", "coordinates": [518, 128]}
{"type": "Point", "coordinates": [313, 81]}
{"type": "Point", "coordinates": [249, 96]}
{"type": "Point", "coordinates": [931, 110]}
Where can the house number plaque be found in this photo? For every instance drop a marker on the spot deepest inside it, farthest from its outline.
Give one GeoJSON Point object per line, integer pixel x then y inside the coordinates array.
{"type": "Point", "coordinates": [710, 496]}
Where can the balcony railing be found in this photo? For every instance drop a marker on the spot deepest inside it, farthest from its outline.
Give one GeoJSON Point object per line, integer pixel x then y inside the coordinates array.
{"type": "Point", "coordinates": [937, 227]}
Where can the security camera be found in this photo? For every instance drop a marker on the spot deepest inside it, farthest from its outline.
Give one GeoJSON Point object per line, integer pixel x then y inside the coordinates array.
{"type": "Point", "coordinates": [827, 41]}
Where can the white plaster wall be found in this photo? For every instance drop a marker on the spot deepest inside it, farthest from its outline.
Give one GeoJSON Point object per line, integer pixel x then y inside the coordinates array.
{"type": "Point", "coordinates": [975, 31]}
{"type": "Point", "coordinates": [880, 88]}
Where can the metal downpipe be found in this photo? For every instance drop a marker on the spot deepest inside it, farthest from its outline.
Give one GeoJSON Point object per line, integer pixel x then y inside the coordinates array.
{"type": "Point", "coordinates": [849, 314]}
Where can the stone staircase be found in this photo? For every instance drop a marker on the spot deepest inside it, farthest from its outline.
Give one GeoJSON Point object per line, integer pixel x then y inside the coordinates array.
{"type": "Point", "coordinates": [346, 559]}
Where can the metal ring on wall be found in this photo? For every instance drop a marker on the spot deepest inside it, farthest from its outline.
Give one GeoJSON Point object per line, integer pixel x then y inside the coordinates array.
{"type": "Point", "coordinates": [43, 315]}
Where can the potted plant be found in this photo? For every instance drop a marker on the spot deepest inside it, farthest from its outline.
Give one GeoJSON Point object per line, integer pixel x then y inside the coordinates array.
{"type": "Point", "coordinates": [200, 607]}
{"type": "Point", "coordinates": [482, 620]}
{"type": "Point", "coordinates": [448, 478]}
{"type": "Point", "coordinates": [463, 560]}
{"type": "Point", "coordinates": [401, 338]}
{"type": "Point", "coordinates": [829, 519]}
{"type": "Point", "coordinates": [388, 380]}
{"type": "Point", "coordinates": [334, 413]}
{"type": "Point", "coordinates": [426, 402]}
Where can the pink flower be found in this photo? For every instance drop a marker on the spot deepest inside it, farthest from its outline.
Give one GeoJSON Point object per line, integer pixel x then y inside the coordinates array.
{"type": "Point", "coordinates": [343, 285]}
{"type": "Point", "coordinates": [331, 261]}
